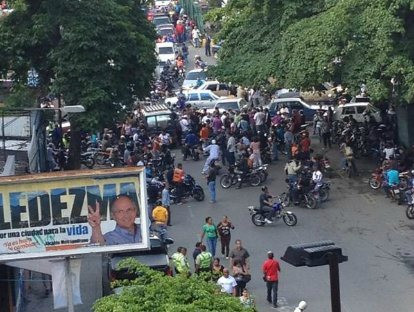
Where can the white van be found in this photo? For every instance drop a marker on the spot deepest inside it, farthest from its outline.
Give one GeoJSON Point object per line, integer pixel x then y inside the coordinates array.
{"type": "Point", "coordinates": [165, 51]}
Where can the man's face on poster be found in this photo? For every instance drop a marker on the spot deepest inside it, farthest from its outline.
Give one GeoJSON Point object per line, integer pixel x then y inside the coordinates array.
{"type": "Point", "coordinates": [124, 212]}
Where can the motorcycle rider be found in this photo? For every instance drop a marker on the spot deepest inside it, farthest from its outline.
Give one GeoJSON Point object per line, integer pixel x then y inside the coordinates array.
{"type": "Point", "coordinates": [391, 179]}
{"type": "Point", "coordinates": [190, 144]}
{"type": "Point", "coordinates": [160, 217]}
{"type": "Point", "coordinates": [291, 169]}
{"type": "Point", "coordinates": [214, 151]}
{"type": "Point", "coordinates": [243, 167]}
{"type": "Point", "coordinates": [178, 179]}
{"type": "Point", "coordinates": [265, 205]}
{"type": "Point", "coordinates": [317, 177]}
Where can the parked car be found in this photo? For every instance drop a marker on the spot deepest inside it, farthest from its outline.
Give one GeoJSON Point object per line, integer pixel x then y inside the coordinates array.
{"type": "Point", "coordinates": [295, 103]}
{"type": "Point", "coordinates": [165, 51]}
{"type": "Point", "coordinates": [233, 103]}
{"type": "Point", "coordinates": [358, 110]}
{"type": "Point", "coordinates": [197, 98]}
{"type": "Point", "coordinates": [192, 76]}
{"type": "Point", "coordinates": [165, 30]}
{"type": "Point", "coordinates": [218, 88]}
{"type": "Point", "coordinates": [161, 3]}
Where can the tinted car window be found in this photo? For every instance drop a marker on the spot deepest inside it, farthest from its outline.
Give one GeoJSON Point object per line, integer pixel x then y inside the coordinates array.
{"type": "Point", "coordinates": [165, 31]}
{"type": "Point", "coordinates": [228, 105]}
{"type": "Point", "coordinates": [196, 75]}
{"type": "Point", "coordinates": [165, 50]}
{"type": "Point", "coordinates": [212, 87]}
{"type": "Point", "coordinates": [360, 109]}
{"type": "Point", "coordinates": [348, 110]}
{"type": "Point", "coordinates": [161, 20]}
{"type": "Point", "coordinates": [193, 97]}
{"type": "Point", "coordinates": [223, 86]}
{"type": "Point", "coordinates": [163, 121]}
{"type": "Point", "coordinates": [151, 122]}
{"type": "Point", "coordinates": [296, 105]}
{"type": "Point", "coordinates": [205, 97]}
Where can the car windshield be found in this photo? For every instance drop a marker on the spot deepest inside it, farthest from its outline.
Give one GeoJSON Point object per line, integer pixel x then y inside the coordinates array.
{"type": "Point", "coordinates": [195, 75]}
{"type": "Point", "coordinates": [165, 50]}
{"type": "Point", "coordinates": [165, 31]}
{"type": "Point", "coordinates": [163, 121]}
{"type": "Point", "coordinates": [161, 20]}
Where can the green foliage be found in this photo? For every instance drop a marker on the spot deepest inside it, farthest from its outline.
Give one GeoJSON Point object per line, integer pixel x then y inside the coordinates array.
{"type": "Point", "coordinates": [153, 291]}
{"type": "Point", "coordinates": [299, 43]}
{"type": "Point", "coordinates": [21, 97]}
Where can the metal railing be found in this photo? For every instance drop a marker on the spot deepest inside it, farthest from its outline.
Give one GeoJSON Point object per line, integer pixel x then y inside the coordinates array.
{"type": "Point", "coordinates": [193, 10]}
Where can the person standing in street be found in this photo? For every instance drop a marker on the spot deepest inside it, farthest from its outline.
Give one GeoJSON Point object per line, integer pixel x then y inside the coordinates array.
{"type": "Point", "coordinates": [204, 261]}
{"type": "Point", "coordinates": [211, 182]}
{"type": "Point", "coordinates": [241, 254]}
{"type": "Point", "coordinates": [166, 201]}
{"type": "Point", "coordinates": [227, 282]}
{"type": "Point", "coordinates": [224, 228]}
{"type": "Point", "coordinates": [208, 45]}
{"type": "Point", "coordinates": [210, 230]}
{"type": "Point", "coordinates": [196, 37]}
{"type": "Point", "coordinates": [160, 217]}
{"type": "Point", "coordinates": [180, 261]}
{"type": "Point", "coordinates": [271, 269]}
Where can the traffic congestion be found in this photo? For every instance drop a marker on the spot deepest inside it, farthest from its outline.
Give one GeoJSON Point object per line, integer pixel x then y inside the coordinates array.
{"type": "Point", "coordinates": [235, 174]}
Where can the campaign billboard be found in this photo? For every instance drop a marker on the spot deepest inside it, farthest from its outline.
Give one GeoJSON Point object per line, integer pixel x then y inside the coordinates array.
{"type": "Point", "coordinates": [72, 213]}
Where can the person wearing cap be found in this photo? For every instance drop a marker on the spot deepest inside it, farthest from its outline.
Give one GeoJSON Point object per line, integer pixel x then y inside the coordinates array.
{"type": "Point", "coordinates": [271, 269]}
{"type": "Point", "coordinates": [214, 151]}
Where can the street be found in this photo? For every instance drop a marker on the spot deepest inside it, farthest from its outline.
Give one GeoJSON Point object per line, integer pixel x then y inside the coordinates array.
{"type": "Point", "coordinates": [373, 232]}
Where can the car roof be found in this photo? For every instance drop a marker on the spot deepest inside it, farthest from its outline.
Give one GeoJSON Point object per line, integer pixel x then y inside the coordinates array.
{"type": "Point", "coordinates": [156, 109]}
{"type": "Point", "coordinates": [355, 104]}
{"type": "Point", "coordinates": [165, 44]}
{"type": "Point", "coordinates": [286, 99]}
{"type": "Point", "coordinates": [197, 70]}
{"type": "Point", "coordinates": [229, 99]}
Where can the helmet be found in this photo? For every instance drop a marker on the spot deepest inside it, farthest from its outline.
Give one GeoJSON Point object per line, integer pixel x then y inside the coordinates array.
{"type": "Point", "coordinates": [213, 142]}
{"type": "Point", "coordinates": [264, 188]}
{"type": "Point", "coordinates": [302, 305]}
{"type": "Point", "coordinates": [196, 56]}
{"type": "Point", "coordinates": [158, 203]}
{"type": "Point", "coordinates": [412, 172]}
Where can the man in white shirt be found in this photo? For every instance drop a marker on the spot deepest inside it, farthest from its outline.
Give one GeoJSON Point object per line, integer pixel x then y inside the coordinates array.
{"type": "Point", "coordinates": [214, 151]}
{"type": "Point", "coordinates": [259, 119]}
{"type": "Point", "coordinates": [231, 149]}
{"type": "Point", "coordinates": [184, 124]}
{"type": "Point", "coordinates": [227, 282]}
{"type": "Point", "coordinates": [196, 37]}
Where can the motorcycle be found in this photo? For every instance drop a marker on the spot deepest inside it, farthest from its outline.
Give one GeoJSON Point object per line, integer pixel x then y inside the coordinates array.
{"type": "Point", "coordinates": [377, 178]}
{"type": "Point", "coordinates": [262, 172]}
{"type": "Point", "coordinates": [192, 151]}
{"type": "Point", "coordinates": [324, 191]}
{"type": "Point", "coordinates": [307, 198]}
{"type": "Point", "coordinates": [189, 189]}
{"type": "Point", "coordinates": [258, 217]}
{"type": "Point", "coordinates": [235, 176]}
{"type": "Point", "coordinates": [88, 159]}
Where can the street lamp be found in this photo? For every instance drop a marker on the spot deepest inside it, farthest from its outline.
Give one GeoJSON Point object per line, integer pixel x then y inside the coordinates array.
{"type": "Point", "coordinates": [318, 254]}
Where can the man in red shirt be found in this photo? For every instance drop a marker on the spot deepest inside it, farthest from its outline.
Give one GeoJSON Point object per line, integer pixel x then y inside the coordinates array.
{"type": "Point", "coordinates": [271, 269]}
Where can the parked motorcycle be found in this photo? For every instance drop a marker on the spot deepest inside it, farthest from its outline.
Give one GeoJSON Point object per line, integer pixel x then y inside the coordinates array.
{"type": "Point", "coordinates": [189, 189]}
{"type": "Point", "coordinates": [258, 217]}
{"type": "Point", "coordinates": [88, 159]}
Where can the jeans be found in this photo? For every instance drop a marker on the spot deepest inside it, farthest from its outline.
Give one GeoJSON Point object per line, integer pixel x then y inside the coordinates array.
{"type": "Point", "coordinates": [211, 245]}
{"type": "Point", "coordinates": [231, 159]}
{"type": "Point", "coordinates": [267, 212]}
{"type": "Point", "coordinates": [212, 189]}
{"type": "Point", "coordinates": [275, 152]}
{"type": "Point", "coordinates": [272, 287]}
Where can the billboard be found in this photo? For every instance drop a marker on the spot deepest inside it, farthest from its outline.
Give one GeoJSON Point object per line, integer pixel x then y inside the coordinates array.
{"type": "Point", "coordinates": [73, 213]}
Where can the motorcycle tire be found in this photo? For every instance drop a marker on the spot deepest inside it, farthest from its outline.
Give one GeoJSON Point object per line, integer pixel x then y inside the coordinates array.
{"type": "Point", "coordinates": [285, 199]}
{"type": "Point", "coordinates": [89, 162]}
{"type": "Point", "coordinates": [255, 180]}
{"type": "Point", "coordinates": [258, 219]}
{"type": "Point", "coordinates": [310, 202]}
{"type": "Point", "coordinates": [263, 176]}
{"type": "Point", "coordinates": [198, 193]}
{"type": "Point", "coordinates": [374, 184]}
{"type": "Point", "coordinates": [226, 181]}
{"type": "Point", "coordinates": [410, 212]}
{"type": "Point", "coordinates": [323, 194]}
{"type": "Point", "coordinates": [290, 219]}
{"type": "Point", "coordinates": [100, 159]}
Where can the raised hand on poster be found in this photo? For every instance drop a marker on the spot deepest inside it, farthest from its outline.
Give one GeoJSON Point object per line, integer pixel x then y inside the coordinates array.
{"type": "Point", "coordinates": [94, 216]}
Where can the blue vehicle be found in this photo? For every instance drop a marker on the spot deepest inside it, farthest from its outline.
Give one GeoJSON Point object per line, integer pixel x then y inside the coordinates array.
{"type": "Point", "coordinates": [295, 103]}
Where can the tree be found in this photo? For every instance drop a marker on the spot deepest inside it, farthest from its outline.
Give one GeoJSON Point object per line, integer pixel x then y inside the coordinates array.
{"type": "Point", "coordinates": [302, 43]}
{"type": "Point", "coordinates": [153, 291]}
{"type": "Point", "coordinates": [96, 53]}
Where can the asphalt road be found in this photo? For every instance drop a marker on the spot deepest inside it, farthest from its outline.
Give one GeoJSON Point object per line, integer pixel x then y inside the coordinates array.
{"type": "Point", "coordinates": [373, 232]}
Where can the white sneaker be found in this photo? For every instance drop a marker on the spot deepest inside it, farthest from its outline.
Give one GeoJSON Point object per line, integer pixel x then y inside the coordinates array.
{"type": "Point", "coordinates": [268, 221]}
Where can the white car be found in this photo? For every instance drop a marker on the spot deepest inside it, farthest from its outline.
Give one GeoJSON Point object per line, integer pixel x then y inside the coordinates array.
{"type": "Point", "coordinates": [218, 88]}
{"type": "Point", "coordinates": [190, 80]}
{"type": "Point", "coordinates": [358, 111]}
{"type": "Point", "coordinates": [163, 3]}
{"type": "Point", "coordinates": [233, 103]}
{"type": "Point", "coordinates": [165, 51]}
{"type": "Point", "coordinates": [197, 98]}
